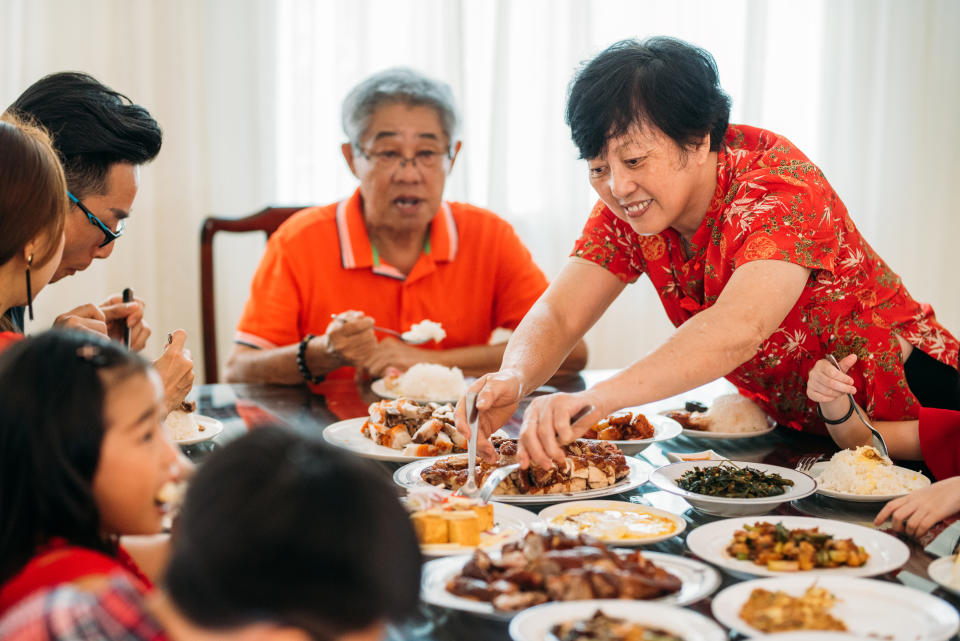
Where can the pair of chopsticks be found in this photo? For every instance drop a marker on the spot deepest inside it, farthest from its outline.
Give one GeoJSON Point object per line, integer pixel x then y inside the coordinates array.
{"type": "Point", "coordinates": [127, 298]}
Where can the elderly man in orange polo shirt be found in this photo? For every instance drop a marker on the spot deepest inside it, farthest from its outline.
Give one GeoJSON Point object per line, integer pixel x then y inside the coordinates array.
{"type": "Point", "coordinates": [394, 253]}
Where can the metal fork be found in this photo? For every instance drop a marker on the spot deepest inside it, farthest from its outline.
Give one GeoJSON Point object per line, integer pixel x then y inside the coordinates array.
{"type": "Point", "coordinates": [878, 441]}
{"type": "Point", "coordinates": [392, 332]}
{"type": "Point", "coordinates": [807, 462]}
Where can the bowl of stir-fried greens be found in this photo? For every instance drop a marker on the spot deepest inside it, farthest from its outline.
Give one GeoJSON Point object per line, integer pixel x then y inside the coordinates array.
{"type": "Point", "coordinates": [733, 488]}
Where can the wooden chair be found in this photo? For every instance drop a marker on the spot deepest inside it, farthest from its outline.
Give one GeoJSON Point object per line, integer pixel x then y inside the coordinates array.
{"type": "Point", "coordinates": [266, 220]}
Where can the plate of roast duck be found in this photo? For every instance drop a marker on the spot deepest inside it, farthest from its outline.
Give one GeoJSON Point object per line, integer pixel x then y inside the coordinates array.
{"type": "Point", "coordinates": [592, 469]}
{"type": "Point", "coordinates": [549, 565]}
{"type": "Point", "coordinates": [632, 431]}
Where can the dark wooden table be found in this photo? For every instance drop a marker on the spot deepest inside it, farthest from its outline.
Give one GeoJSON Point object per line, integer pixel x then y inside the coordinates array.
{"type": "Point", "coordinates": [241, 407]}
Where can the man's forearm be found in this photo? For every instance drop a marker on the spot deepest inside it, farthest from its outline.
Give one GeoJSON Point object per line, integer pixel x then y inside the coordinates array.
{"type": "Point", "coordinates": [278, 365]}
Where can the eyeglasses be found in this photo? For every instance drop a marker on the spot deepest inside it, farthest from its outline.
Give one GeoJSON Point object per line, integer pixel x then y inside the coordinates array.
{"type": "Point", "coordinates": [109, 235]}
{"type": "Point", "coordinates": [390, 160]}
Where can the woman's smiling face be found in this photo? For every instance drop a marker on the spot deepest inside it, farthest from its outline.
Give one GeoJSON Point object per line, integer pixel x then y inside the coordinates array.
{"type": "Point", "coordinates": [136, 457]}
{"type": "Point", "coordinates": [649, 182]}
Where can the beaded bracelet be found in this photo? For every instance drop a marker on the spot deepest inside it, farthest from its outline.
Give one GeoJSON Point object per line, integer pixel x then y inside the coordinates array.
{"type": "Point", "coordinates": [302, 361]}
{"type": "Point", "coordinates": [839, 420]}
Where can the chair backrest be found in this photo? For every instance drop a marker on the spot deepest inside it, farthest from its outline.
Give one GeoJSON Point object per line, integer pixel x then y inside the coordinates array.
{"type": "Point", "coordinates": [266, 220]}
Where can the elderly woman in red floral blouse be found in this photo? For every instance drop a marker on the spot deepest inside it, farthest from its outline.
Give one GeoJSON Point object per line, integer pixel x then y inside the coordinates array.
{"type": "Point", "coordinates": [753, 255]}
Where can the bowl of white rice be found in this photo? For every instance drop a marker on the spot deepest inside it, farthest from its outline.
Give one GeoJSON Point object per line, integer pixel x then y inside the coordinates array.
{"type": "Point", "coordinates": [864, 475]}
{"type": "Point", "coordinates": [424, 382]}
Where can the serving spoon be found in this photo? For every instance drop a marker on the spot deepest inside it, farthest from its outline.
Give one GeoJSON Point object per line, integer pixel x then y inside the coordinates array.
{"type": "Point", "coordinates": [877, 440]}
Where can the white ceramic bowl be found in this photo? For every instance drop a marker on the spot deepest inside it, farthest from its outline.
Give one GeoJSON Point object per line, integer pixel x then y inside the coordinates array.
{"type": "Point", "coordinates": [940, 570]}
{"type": "Point", "coordinates": [666, 478]}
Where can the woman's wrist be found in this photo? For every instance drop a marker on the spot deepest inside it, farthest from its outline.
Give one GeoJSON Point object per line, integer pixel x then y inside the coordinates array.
{"type": "Point", "coordinates": [837, 411]}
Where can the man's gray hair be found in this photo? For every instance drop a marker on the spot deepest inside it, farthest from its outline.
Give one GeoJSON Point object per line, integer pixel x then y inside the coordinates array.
{"type": "Point", "coordinates": [391, 86]}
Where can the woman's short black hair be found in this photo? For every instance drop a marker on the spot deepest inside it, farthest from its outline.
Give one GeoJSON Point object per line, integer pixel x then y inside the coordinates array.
{"type": "Point", "coordinates": [51, 429]}
{"type": "Point", "coordinates": [662, 81]}
{"type": "Point", "coordinates": [93, 127]}
{"type": "Point", "coordinates": [280, 528]}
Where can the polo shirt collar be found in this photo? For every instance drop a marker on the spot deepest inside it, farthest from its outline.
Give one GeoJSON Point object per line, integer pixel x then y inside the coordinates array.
{"type": "Point", "coordinates": [356, 251]}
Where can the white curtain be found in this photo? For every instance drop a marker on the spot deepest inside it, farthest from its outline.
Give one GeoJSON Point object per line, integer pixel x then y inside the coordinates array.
{"type": "Point", "coordinates": [204, 70]}
{"type": "Point", "coordinates": [248, 93]}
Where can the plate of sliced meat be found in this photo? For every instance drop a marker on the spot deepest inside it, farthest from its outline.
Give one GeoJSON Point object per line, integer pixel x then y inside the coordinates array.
{"type": "Point", "coordinates": [553, 566]}
{"type": "Point", "coordinates": [399, 430]}
{"type": "Point", "coordinates": [592, 469]}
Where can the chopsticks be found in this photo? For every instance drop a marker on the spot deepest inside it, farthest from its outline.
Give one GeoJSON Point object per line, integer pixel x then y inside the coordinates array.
{"type": "Point", "coordinates": [127, 297]}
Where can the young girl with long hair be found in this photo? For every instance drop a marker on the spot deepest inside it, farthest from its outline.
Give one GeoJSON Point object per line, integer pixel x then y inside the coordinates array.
{"type": "Point", "coordinates": [83, 457]}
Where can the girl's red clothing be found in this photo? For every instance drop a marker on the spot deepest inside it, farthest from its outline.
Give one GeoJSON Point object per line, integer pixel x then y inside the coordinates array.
{"type": "Point", "coordinates": [940, 441]}
{"type": "Point", "coordinates": [9, 338]}
{"type": "Point", "coordinates": [59, 562]}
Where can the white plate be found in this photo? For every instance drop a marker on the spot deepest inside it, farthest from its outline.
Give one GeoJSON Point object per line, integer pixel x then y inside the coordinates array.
{"type": "Point", "coordinates": [379, 387]}
{"type": "Point", "coordinates": [817, 469]}
{"type": "Point", "coordinates": [511, 523]}
{"type": "Point", "coordinates": [940, 571]}
{"type": "Point", "coordinates": [664, 428]}
{"type": "Point", "coordinates": [880, 609]}
{"type": "Point", "coordinates": [705, 455]}
{"type": "Point", "coordinates": [535, 624]}
{"type": "Point", "coordinates": [408, 477]}
{"type": "Point", "coordinates": [666, 477]}
{"type": "Point", "coordinates": [727, 436]}
{"type": "Point", "coordinates": [623, 506]}
{"type": "Point", "coordinates": [887, 553]}
{"type": "Point", "coordinates": [347, 434]}
{"type": "Point", "coordinates": [211, 427]}
{"type": "Point", "coordinates": [698, 579]}
{"type": "Point", "coordinates": [807, 635]}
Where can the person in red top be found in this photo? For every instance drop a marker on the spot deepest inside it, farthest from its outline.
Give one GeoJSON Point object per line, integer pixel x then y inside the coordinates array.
{"type": "Point", "coordinates": [395, 253]}
{"type": "Point", "coordinates": [934, 438]}
{"type": "Point", "coordinates": [83, 456]}
{"type": "Point", "coordinates": [334, 559]}
{"type": "Point", "coordinates": [752, 253]}
{"type": "Point", "coordinates": [33, 209]}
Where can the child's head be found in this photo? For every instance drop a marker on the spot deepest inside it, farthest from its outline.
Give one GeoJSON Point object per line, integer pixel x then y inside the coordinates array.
{"type": "Point", "coordinates": [82, 449]}
{"type": "Point", "coordinates": [33, 203]}
{"type": "Point", "coordinates": [287, 531]}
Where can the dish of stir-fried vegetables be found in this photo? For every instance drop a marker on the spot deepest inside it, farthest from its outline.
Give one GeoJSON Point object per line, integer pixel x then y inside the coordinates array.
{"type": "Point", "coordinates": [785, 550]}
{"type": "Point", "coordinates": [733, 482]}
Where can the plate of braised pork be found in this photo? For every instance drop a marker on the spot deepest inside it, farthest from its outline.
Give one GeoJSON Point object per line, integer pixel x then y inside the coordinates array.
{"type": "Point", "coordinates": [550, 565]}
{"type": "Point", "coordinates": [592, 469]}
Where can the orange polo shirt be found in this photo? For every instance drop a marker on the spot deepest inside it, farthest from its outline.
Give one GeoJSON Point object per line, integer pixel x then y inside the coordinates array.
{"type": "Point", "coordinates": [473, 276]}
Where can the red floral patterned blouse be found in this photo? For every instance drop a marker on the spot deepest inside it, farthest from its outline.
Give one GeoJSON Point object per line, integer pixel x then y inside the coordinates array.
{"type": "Point", "coordinates": [771, 202]}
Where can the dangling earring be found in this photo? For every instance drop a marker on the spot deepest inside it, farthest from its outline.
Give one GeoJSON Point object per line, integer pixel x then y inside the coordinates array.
{"type": "Point", "coordinates": [29, 288]}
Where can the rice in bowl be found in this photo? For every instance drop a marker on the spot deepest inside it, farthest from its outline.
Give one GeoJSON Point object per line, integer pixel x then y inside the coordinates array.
{"type": "Point", "coordinates": [428, 381]}
{"type": "Point", "coordinates": [866, 472]}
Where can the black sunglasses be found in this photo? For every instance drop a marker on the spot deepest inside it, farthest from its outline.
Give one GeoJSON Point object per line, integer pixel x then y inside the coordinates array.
{"type": "Point", "coordinates": [108, 234]}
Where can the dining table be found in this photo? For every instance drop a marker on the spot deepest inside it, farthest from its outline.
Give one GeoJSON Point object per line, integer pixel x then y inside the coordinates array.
{"type": "Point", "coordinates": [241, 407]}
